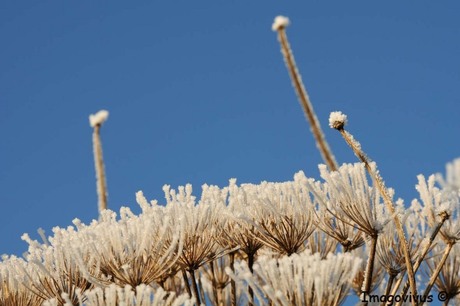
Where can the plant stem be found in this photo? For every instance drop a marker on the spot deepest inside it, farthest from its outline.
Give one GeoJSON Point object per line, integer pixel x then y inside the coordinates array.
{"type": "Point", "coordinates": [389, 204]}
{"type": "Point", "coordinates": [251, 257]}
{"type": "Point", "coordinates": [187, 285]}
{"type": "Point", "coordinates": [232, 281]}
{"type": "Point", "coordinates": [214, 283]}
{"type": "Point", "coordinates": [391, 278]}
{"type": "Point", "coordinates": [435, 274]}
{"type": "Point", "coordinates": [305, 100]}
{"type": "Point", "coordinates": [370, 266]}
{"type": "Point", "coordinates": [100, 173]}
{"type": "Point", "coordinates": [195, 286]}
{"type": "Point", "coordinates": [418, 262]}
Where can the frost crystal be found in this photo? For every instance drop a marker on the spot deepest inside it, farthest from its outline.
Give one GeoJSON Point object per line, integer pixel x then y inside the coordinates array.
{"type": "Point", "coordinates": [337, 120]}
{"type": "Point", "coordinates": [280, 22]}
{"type": "Point", "coordinates": [98, 118]}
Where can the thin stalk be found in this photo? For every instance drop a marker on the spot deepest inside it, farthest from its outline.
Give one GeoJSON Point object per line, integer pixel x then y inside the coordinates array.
{"type": "Point", "coordinates": [201, 289]}
{"type": "Point", "coordinates": [220, 296]}
{"type": "Point", "coordinates": [389, 204]}
{"type": "Point", "coordinates": [187, 285]}
{"type": "Point", "coordinates": [370, 266]}
{"type": "Point", "coordinates": [214, 283]}
{"type": "Point", "coordinates": [232, 281]}
{"type": "Point", "coordinates": [100, 172]}
{"type": "Point", "coordinates": [195, 286]}
{"type": "Point", "coordinates": [435, 274]}
{"type": "Point", "coordinates": [304, 100]}
{"type": "Point", "coordinates": [251, 257]}
{"type": "Point", "coordinates": [418, 262]}
{"type": "Point", "coordinates": [391, 278]}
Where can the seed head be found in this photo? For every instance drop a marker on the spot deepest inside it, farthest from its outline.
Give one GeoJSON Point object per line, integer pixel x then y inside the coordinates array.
{"type": "Point", "coordinates": [98, 118]}
{"type": "Point", "coordinates": [337, 120]}
{"type": "Point", "coordinates": [280, 22]}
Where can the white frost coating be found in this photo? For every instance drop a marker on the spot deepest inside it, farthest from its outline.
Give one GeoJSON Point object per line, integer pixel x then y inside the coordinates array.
{"type": "Point", "coordinates": [98, 118]}
{"type": "Point", "coordinates": [337, 120]}
{"type": "Point", "coordinates": [280, 22]}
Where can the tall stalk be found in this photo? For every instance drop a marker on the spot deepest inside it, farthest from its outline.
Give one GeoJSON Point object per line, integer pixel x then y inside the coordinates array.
{"type": "Point", "coordinates": [418, 262]}
{"type": "Point", "coordinates": [96, 122]}
{"type": "Point", "coordinates": [279, 26]}
{"type": "Point", "coordinates": [338, 121]}
{"type": "Point", "coordinates": [434, 276]}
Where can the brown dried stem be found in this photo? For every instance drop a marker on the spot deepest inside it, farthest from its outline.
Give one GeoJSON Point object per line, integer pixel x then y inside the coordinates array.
{"type": "Point", "coordinates": [304, 100]}
{"type": "Point", "coordinates": [389, 204]}
{"type": "Point", "coordinates": [100, 172]}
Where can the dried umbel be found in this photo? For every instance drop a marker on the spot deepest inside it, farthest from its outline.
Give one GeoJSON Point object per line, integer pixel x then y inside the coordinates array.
{"type": "Point", "coordinates": [52, 272]}
{"type": "Point", "coordinates": [113, 295]}
{"type": "Point", "coordinates": [293, 280]}
{"type": "Point", "coordinates": [282, 214]}
{"type": "Point", "coordinates": [14, 287]}
{"type": "Point", "coordinates": [267, 243]}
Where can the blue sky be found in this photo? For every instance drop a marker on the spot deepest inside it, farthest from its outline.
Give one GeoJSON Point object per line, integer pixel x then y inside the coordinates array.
{"type": "Point", "coordinates": [198, 93]}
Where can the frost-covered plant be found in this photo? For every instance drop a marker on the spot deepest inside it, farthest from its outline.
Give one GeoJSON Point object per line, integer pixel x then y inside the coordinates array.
{"type": "Point", "coordinates": [113, 295]}
{"type": "Point", "coordinates": [282, 214]}
{"type": "Point", "coordinates": [133, 250]}
{"type": "Point", "coordinates": [361, 276]}
{"type": "Point", "coordinates": [15, 285]}
{"type": "Point", "coordinates": [52, 271]}
{"type": "Point", "coordinates": [255, 244]}
{"type": "Point", "coordinates": [96, 121]}
{"type": "Point", "coordinates": [300, 279]}
{"type": "Point", "coordinates": [347, 196]}
{"type": "Point", "coordinates": [448, 280]}
{"type": "Point", "coordinates": [200, 222]}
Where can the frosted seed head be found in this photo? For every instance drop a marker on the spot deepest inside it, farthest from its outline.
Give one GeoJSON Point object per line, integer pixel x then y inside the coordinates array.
{"type": "Point", "coordinates": [337, 120]}
{"type": "Point", "coordinates": [280, 22]}
{"type": "Point", "coordinates": [98, 118]}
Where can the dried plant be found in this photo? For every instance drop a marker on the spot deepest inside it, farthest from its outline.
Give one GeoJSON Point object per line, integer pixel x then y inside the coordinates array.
{"type": "Point", "coordinates": [96, 122]}
{"type": "Point", "coordinates": [279, 25]}
{"type": "Point", "coordinates": [115, 296]}
{"type": "Point", "coordinates": [282, 214]}
{"type": "Point", "coordinates": [337, 121]}
{"type": "Point", "coordinates": [448, 280]}
{"type": "Point", "coordinates": [293, 280]}
{"type": "Point", "coordinates": [301, 242]}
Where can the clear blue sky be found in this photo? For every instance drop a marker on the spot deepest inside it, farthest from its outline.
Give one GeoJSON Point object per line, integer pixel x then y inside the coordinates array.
{"type": "Point", "coordinates": [198, 93]}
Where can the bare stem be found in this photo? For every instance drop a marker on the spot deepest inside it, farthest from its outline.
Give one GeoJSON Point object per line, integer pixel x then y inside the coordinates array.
{"type": "Point", "coordinates": [304, 100]}
{"type": "Point", "coordinates": [418, 262]}
{"type": "Point", "coordinates": [435, 274]}
{"type": "Point", "coordinates": [251, 257]}
{"type": "Point", "coordinates": [232, 281]}
{"type": "Point", "coordinates": [100, 173]}
{"type": "Point", "coordinates": [187, 285]}
{"type": "Point", "coordinates": [391, 278]}
{"type": "Point", "coordinates": [370, 266]}
{"type": "Point", "coordinates": [214, 283]}
{"type": "Point", "coordinates": [195, 286]}
{"type": "Point", "coordinates": [389, 204]}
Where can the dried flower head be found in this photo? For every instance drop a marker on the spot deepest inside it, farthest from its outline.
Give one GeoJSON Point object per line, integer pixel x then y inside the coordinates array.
{"type": "Point", "coordinates": [337, 120]}
{"type": "Point", "coordinates": [280, 22]}
{"type": "Point", "coordinates": [98, 118]}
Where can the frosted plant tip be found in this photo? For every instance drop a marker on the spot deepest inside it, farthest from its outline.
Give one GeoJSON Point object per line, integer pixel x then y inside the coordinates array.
{"type": "Point", "coordinates": [337, 120]}
{"type": "Point", "coordinates": [98, 118]}
{"type": "Point", "coordinates": [280, 22]}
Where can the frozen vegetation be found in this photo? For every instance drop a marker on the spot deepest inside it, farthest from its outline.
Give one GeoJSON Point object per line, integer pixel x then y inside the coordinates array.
{"type": "Point", "coordinates": [309, 241]}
